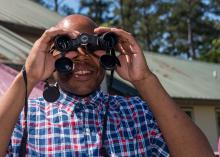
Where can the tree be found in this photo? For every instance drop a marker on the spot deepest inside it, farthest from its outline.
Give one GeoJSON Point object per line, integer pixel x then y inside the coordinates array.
{"type": "Point", "coordinates": [58, 6]}
{"type": "Point", "coordinates": [128, 15]}
{"type": "Point", "coordinates": [149, 23]}
{"type": "Point", "coordinates": [189, 30]}
{"type": "Point", "coordinates": [173, 27]}
{"type": "Point", "coordinates": [135, 17]}
{"type": "Point", "coordinates": [98, 10]}
{"type": "Point", "coordinates": [214, 54]}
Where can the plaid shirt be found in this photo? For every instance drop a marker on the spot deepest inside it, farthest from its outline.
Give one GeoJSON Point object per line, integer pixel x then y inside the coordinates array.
{"type": "Point", "coordinates": [72, 126]}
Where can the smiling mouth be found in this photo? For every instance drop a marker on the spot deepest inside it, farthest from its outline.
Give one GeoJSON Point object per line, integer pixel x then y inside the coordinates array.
{"type": "Point", "coordinates": [82, 70]}
{"type": "Point", "coordinates": [82, 74]}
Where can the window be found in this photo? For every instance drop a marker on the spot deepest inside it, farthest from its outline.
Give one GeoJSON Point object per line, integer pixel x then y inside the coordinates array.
{"type": "Point", "coordinates": [188, 111]}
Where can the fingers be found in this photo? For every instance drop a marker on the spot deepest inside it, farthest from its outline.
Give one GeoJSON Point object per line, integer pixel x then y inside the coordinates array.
{"type": "Point", "coordinates": [121, 48]}
{"type": "Point", "coordinates": [119, 32]}
{"type": "Point", "coordinates": [45, 42]}
{"type": "Point", "coordinates": [44, 45]}
{"type": "Point", "coordinates": [126, 42]}
{"type": "Point", "coordinates": [51, 33]}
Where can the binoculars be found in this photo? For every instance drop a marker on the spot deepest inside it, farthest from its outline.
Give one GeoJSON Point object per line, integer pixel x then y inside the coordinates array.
{"type": "Point", "coordinates": [106, 41]}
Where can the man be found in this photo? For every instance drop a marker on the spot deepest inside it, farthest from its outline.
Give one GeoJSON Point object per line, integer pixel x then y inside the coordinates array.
{"type": "Point", "coordinates": [74, 124]}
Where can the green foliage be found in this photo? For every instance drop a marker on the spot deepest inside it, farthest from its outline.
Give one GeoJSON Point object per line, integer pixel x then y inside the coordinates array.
{"type": "Point", "coordinates": [166, 26]}
{"type": "Point", "coordinates": [190, 30]}
{"type": "Point", "coordinates": [141, 19]}
{"type": "Point", "coordinates": [214, 54]}
{"type": "Point", "coordinates": [57, 5]}
{"type": "Point", "coordinates": [98, 10]}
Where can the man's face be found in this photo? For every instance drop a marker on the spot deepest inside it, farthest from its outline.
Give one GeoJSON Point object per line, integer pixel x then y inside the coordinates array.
{"type": "Point", "coordinates": [87, 73]}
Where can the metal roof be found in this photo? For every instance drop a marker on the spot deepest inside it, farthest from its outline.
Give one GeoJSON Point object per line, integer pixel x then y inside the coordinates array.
{"type": "Point", "coordinates": [13, 47]}
{"type": "Point", "coordinates": [6, 78]}
{"type": "Point", "coordinates": [28, 13]}
{"type": "Point", "coordinates": [181, 78]}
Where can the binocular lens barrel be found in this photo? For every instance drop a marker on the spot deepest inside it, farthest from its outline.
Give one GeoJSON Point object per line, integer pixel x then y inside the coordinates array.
{"type": "Point", "coordinates": [63, 43]}
{"type": "Point", "coordinates": [107, 41]}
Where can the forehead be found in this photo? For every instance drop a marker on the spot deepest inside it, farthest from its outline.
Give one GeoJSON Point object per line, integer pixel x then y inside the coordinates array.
{"type": "Point", "coordinates": [83, 25]}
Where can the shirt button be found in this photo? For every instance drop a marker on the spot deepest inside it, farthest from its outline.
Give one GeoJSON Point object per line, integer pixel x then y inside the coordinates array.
{"type": "Point", "coordinates": [90, 107]}
{"type": "Point", "coordinates": [83, 102]}
{"type": "Point", "coordinates": [79, 116]}
{"type": "Point", "coordinates": [78, 108]}
{"type": "Point", "coordinates": [56, 120]}
{"type": "Point", "coordinates": [87, 131]}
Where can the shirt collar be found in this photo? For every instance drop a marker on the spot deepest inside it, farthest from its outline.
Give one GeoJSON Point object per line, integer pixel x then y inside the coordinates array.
{"type": "Point", "coordinates": [70, 102]}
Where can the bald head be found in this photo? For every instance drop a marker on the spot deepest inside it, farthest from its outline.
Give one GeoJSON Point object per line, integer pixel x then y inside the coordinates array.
{"type": "Point", "coordinates": [78, 22]}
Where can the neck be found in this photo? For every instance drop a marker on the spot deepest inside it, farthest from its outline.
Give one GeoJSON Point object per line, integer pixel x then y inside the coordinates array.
{"type": "Point", "coordinates": [80, 96]}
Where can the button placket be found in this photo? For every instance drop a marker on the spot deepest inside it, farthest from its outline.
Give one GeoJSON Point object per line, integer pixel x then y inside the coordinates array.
{"type": "Point", "coordinates": [87, 131]}
{"type": "Point", "coordinates": [79, 110]}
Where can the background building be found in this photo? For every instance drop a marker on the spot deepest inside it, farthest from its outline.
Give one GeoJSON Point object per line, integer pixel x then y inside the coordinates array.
{"type": "Point", "coordinates": [194, 85]}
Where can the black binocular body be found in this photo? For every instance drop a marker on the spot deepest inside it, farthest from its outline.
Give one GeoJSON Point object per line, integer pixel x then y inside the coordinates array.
{"type": "Point", "coordinates": [106, 41]}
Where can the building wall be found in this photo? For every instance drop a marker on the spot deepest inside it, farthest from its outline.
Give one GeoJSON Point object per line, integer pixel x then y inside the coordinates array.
{"type": "Point", "coordinates": [205, 118]}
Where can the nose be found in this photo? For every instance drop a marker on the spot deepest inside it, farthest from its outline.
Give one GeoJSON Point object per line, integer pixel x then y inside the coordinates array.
{"type": "Point", "coordinates": [79, 52]}
{"type": "Point", "coordinates": [82, 51]}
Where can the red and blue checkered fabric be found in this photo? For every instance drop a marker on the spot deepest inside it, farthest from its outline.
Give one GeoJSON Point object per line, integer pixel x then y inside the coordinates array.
{"type": "Point", "coordinates": [72, 127]}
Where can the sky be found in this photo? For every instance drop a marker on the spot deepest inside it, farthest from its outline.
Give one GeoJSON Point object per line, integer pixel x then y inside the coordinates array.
{"type": "Point", "coordinates": [71, 3]}
{"type": "Point", "coordinates": [75, 5]}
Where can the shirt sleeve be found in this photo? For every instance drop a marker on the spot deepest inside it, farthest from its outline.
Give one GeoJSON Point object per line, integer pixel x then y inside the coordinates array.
{"type": "Point", "coordinates": [9, 150]}
{"type": "Point", "coordinates": [149, 129]}
{"type": "Point", "coordinates": [14, 145]}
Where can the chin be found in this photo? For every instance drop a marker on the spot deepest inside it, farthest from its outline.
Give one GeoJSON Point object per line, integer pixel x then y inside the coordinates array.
{"type": "Point", "coordinates": [80, 91]}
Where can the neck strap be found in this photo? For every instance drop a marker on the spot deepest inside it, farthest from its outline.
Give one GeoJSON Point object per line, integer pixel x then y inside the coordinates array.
{"type": "Point", "coordinates": [22, 151]}
{"type": "Point", "coordinates": [103, 150]}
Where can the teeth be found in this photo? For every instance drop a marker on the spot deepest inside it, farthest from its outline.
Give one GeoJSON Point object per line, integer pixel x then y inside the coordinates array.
{"type": "Point", "coordinates": [82, 72]}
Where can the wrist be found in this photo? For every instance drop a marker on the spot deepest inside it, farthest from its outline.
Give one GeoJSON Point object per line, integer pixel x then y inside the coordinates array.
{"type": "Point", "coordinates": [30, 83]}
{"type": "Point", "coordinates": [32, 79]}
{"type": "Point", "coordinates": [148, 78]}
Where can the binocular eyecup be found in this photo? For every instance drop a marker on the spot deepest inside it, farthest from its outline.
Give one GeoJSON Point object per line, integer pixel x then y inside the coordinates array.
{"type": "Point", "coordinates": [64, 65]}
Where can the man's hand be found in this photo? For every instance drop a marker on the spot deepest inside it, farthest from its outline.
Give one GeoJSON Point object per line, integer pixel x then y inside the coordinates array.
{"type": "Point", "coordinates": [40, 63]}
{"type": "Point", "coordinates": [183, 137]}
{"type": "Point", "coordinates": [133, 64]}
